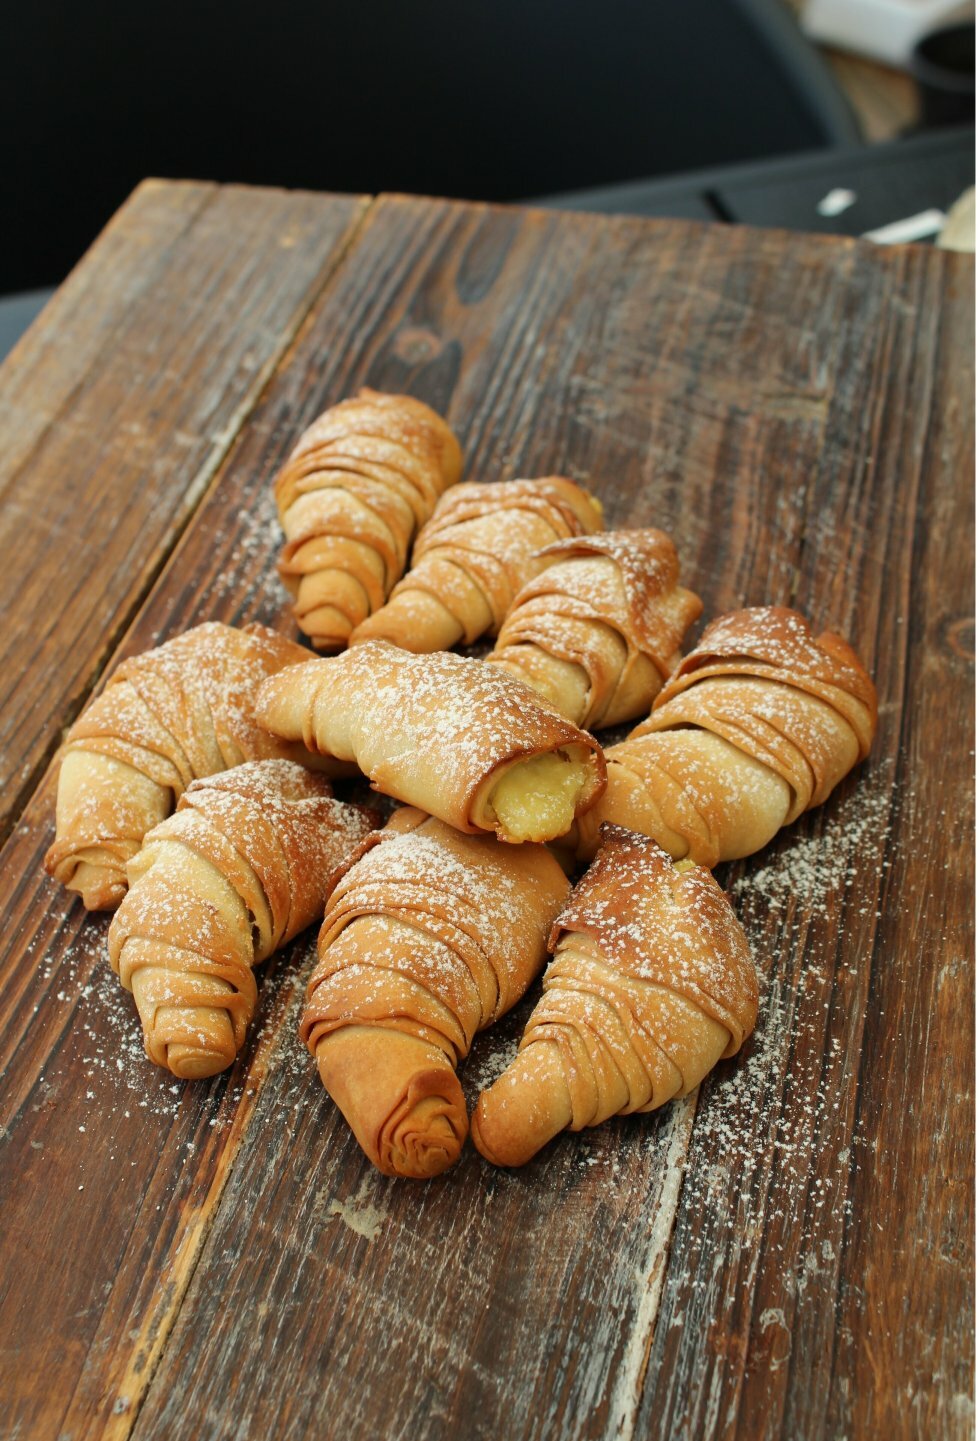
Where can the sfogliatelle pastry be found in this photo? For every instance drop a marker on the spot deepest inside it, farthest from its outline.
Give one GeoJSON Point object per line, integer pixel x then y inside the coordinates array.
{"type": "Point", "coordinates": [651, 984]}
{"type": "Point", "coordinates": [598, 632]}
{"type": "Point", "coordinates": [246, 862]}
{"type": "Point", "coordinates": [358, 485]}
{"type": "Point", "coordinates": [430, 936]}
{"type": "Point", "coordinates": [757, 724]}
{"type": "Point", "coordinates": [481, 546]}
{"type": "Point", "coordinates": [166, 718]}
{"type": "Point", "coordinates": [458, 738]}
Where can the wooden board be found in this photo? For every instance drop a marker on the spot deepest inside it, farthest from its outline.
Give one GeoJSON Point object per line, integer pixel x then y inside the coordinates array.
{"type": "Point", "coordinates": [785, 1254]}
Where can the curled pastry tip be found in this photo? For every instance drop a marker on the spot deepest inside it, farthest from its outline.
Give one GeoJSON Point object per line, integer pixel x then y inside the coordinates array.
{"type": "Point", "coordinates": [191, 1043]}
{"type": "Point", "coordinates": [400, 1097]}
{"type": "Point", "coordinates": [194, 1063]}
{"type": "Point", "coordinates": [101, 887]}
{"type": "Point", "coordinates": [523, 1110]}
{"type": "Point", "coordinates": [424, 1136]}
{"type": "Point", "coordinates": [413, 621]}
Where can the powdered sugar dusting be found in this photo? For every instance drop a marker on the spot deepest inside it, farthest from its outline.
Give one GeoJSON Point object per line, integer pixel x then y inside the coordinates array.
{"type": "Point", "coordinates": [107, 1064]}
{"type": "Point", "coordinates": [487, 906]}
{"type": "Point", "coordinates": [813, 872]}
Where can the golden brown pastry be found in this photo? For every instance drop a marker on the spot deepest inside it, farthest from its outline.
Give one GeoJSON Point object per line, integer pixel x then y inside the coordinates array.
{"type": "Point", "coordinates": [355, 490]}
{"type": "Point", "coordinates": [599, 631]}
{"type": "Point", "coordinates": [246, 863]}
{"type": "Point", "coordinates": [431, 936]}
{"type": "Point", "coordinates": [167, 717]}
{"type": "Point", "coordinates": [482, 544]}
{"type": "Point", "coordinates": [651, 984]}
{"type": "Point", "coordinates": [758, 724]}
{"type": "Point", "coordinates": [459, 738]}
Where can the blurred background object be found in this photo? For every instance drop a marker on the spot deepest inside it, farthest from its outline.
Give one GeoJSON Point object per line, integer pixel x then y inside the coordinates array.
{"type": "Point", "coordinates": [505, 101]}
{"type": "Point", "coordinates": [885, 30]}
{"type": "Point", "coordinates": [944, 64]}
{"type": "Point", "coordinates": [960, 230]}
{"type": "Point", "coordinates": [847, 190]}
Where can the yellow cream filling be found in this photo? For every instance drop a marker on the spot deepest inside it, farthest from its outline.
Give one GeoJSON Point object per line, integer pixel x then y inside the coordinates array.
{"type": "Point", "coordinates": [535, 799]}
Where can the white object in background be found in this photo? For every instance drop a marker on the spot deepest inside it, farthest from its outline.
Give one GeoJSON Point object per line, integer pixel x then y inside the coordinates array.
{"type": "Point", "coordinates": [913, 227]}
{"type": "Point", "coordinates": [835, 202]}
{"type": "Point", "coordinates": [960, 230]}
{"type": "Point", "coordinates": [884, 29]}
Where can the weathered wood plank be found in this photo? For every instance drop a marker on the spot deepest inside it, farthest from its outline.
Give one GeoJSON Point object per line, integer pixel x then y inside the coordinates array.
{"type": "Point", "coordinates": [699, 379]}
{"type": "Point", "coordinates": [115, 411]}
{"type": "Point", "coordinates": [819, 1282]}
{"type": "Point", "coordinates": [109, 1171]}
{"type": "Point", "coordinates": [694, 381]}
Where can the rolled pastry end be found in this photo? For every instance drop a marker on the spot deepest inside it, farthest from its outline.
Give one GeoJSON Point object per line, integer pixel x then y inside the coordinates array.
{"type": "Point", "coordinates": [561, 683]}
{"type": "Point", "coordinates": [413, 620]}
{"type": "Point", "coordinates": [192, 1042]}
{"type": "Point", "coordinates": [538, 799]}
{"type": "Point", "coordinates": [100, 883]}
{"type": "Point", "coordinates": [524, 1109]}
{"type": "Point", "coordinates": [104, 809]}
{"type": "Point", "coordinates": [400, 1096]}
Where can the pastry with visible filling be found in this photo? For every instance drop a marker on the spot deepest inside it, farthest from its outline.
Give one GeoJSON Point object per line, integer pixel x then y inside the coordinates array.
{"type": "Point", "coordinates": [166, 718]}
{"type": "Point", "coordinates": [458, 738]}
{"type": "Point", "coordinates": [651, 985]}
{"type": "Point", "coordinates": [246, 862]}
{"type": "Point", "coordinates": [431, 936]}
{"type": "Point", "coordinates": [757, 724]}
{"type": "Point", "coordinates": [598, 632]}
{"type": "Point", "coordinates": [483, 543]}
{"type": "Point", "coordinates": [358, 485]}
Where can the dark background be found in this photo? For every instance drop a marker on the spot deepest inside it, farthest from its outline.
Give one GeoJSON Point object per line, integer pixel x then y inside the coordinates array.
{"type": "Point", "coordinates": [496, 100]}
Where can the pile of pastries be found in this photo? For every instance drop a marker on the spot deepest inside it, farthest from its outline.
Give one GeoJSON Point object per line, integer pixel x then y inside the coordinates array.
{"type": "Point", "coordinates": [195, 798]}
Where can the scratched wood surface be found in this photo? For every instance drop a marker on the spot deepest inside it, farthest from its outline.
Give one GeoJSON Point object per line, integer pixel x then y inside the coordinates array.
{"type": "Point", "coordinates": [787, 1254]}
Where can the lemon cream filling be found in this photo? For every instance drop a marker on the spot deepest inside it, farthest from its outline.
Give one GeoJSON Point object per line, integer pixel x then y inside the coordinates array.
{"type": "Point", "coordinates": [535, 799]}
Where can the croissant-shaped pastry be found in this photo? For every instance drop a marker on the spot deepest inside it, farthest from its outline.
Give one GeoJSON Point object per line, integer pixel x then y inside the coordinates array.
{"type": "Point", "coordinates": [458, 738]}
{"type": "Point", "coordinates": [651, 984]}
{"type": "Point", "coordinates": [355, 490]}
{"type": "Point", "coordinates": [758, 723]}
{"type": "Point", "coordinates": [246, 862]}
{"type": "Point", "coordinates": [598, 632]}
{"type": "Point", "coordinates": [430, 936]}
{"type": "Point", "coordinates": [167, 717]}
{"type": "Point", "coordinates": [481, 546]}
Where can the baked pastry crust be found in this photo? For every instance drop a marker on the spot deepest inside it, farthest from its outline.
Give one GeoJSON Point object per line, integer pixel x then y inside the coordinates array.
{"type": "Point", "coordinates": [357, 487]}
{"type": "Point", "coordinates": [246, 862]}
{"type": "Point", "coordinates": [431, 936]}
{"type": "Point", "coordinates": [651, 984]}
{"type": "Point", "coordinates": [757, 724]}
{"type": "Point", "coordinates": [167, 717]}
{"type": "Point", "coordinates": [483, 543]}
{"type": "Point", "coordinates": [438, 731]}
{"type": "Point", "coordinates": [598, 632]}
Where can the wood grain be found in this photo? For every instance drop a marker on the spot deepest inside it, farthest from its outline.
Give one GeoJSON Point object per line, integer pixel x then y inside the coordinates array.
{"type": "Point", "coordinates": [794, 410]}
{"type": "Point", "coordinates": [115, 411]}
{"type": "Point", "coordinates": [848, 1156]}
